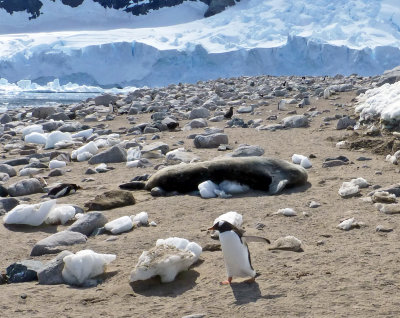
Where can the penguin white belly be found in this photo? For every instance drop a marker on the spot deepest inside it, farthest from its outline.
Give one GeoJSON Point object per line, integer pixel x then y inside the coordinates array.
{"type": "Point", "coordinates": [236, 255]}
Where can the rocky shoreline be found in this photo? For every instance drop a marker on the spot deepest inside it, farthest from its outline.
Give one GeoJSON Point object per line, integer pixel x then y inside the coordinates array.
{"type": "Point", "coordinates": [344, 217]}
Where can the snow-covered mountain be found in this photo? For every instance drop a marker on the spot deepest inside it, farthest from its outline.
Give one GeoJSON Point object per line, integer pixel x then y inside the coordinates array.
{"type": "Point", "coordinates": [178, 44]}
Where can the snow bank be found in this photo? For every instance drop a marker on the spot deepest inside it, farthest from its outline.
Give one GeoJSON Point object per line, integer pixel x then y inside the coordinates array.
{"type": "Point", "coordinates": [381, 102]}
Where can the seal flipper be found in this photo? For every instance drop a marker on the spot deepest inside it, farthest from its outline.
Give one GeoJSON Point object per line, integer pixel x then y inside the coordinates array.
{"type": "Point", "coordinates": [276, 187]}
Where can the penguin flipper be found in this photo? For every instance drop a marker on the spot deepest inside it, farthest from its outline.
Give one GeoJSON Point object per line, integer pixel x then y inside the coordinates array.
{"type": "Point", "coordinates": [259, 239]}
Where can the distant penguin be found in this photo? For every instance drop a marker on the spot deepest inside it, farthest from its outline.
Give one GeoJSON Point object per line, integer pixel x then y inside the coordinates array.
{"type": "Point", "coordinates": [62, 190]}
{"type": "Point", "coordinates": [236, 252]}
{"type": "Point", "coordinates": [229, 113]}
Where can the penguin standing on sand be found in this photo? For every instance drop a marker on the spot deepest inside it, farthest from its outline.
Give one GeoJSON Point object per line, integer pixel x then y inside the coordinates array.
{"type": "Point", "coordinates": [236, 252]}
{"type": "Point", "coordinates": [229, 113]}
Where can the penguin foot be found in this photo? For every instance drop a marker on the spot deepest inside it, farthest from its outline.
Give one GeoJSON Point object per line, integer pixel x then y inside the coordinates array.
{"type": "Point", "coordinates": [226, 282]}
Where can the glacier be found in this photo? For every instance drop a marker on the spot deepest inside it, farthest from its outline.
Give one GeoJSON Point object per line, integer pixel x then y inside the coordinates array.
{"type": "Point", "coordinates": [254, 37]}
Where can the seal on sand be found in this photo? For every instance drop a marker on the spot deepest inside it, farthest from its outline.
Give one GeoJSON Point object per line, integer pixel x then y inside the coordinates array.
{"type": "Point", "coordinates": [259, 173]}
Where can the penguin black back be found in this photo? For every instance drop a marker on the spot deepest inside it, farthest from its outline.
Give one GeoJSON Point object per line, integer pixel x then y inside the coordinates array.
{"type": "Point", "coordinates": [62, 190]}
{"type": "Point", "coordinates": [229, 113]}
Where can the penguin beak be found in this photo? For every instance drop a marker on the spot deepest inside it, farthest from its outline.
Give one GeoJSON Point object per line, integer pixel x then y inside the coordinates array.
{"type": "Point", "coordinates": [213, 228]}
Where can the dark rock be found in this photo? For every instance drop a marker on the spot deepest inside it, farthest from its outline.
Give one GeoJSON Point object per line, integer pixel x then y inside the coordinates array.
{"type": "Point", "coordinates": [51, 273]}
{"type": "Point", "coordinates": [88, 223]}
{"type": "Point", "coordinates": [3, 191]}
{"type": "Point", "coordinates": [43, 112]}
{"type": "Point", "coordinates": [236, 122]}
{"type": "Point", "coordinates": [113, 155]}
{"type": "Point", "coordinates": [25, 187]}
{"type": "Point", "coordinates": [7, 204]}
{"type": "Point", "coordinates": [334, 163]}
{"type": "Point", "coordinates": [55, 243]}
{"type": "Point", "coordinates": [17, 162]}
{"type": "Point", "coordinates": [5, 118]}
{"type": "Point", "coordinates": [59, 116]}
{"type": "Point", "coordinates": [170, 123]}
{"type": "Point", "coordinates": [23, 271]}
{"type": "Point", "coordinates": [110, 200]}
{"type": "Point", "coordinates": [56, 172]}
{"type": "Point", "coordinates": [217, 6]}
{"type": "Point", "coordinates": [210, 141]}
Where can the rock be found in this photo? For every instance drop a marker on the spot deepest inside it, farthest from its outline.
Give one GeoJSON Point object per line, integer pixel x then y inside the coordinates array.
{"type": "Point", "coordinates": [196, 123]}
{"type": "Point", "coordinates": [55, 243]}
{"type": "Point", "coordinates": [4, 177]}
{"type": "Point", "coordinates": [8, 169]}
{"type": "Point", "coordinates": [150, 130]}
{"type": "Point", "coordinates": [43, 112]}
{"type": "Point", "coordinates": [345, 122]}
{"type": "Point", "coordinates": [5, 118]}
{"type": "Point", "coordinates": [352, 188]}
{"type": "Point", "coordinates": [390, 76]}
{"type": "Point", "coordinates": [217, 6]}
{"type": "Point", "coordinates": [295, 121]}
{"type": "Point", "coordinates": [236, 122]}
{"type": "Point", "coordinates": [333, 163]}
{"type": "Point", "coordinates": [3, 191]}
{"type": "Point", "coordinates": [50, 274]}
{"type": "Point", "coordinates": [25, 187]}
{"type": "Point", "coordinates": [393, 189]}
{"type": "Point", "coordinates": [314, 204]}
{"type": "Point", "coordinates": [381, 228]}
{"type": "Point", "coordinates": [105, 99]}
{"type": "Point", "coordinates": [287, 243]}
{"type": "Point", "coordinates": [56, 173]}
{"type": "Point", "coordinates": [163, 147]}
{"type": "Point", "coordinates": [87, 223]}
{"type": "Point", "coordinates": [195, 316]}
{"type": "Point", "coordinates": [113, 155]}
{"type": "Point", "coordinates": [199, 112]}
{"type": "Point", "coordinates": [389, 208]}
{"type": "Point", "coordinates": [210, 141]}
{"type": "Point", "coordinates": [7, 204]}
{"type": "Point", "coordinates": [247, 151]}
{"type": "Point", "coordinates": [17, 162]}
{"type": "Point", "coordinates": [383, 197]}
{"type": "Point", "coordinates": [180, 155]}
{"type": "Point", "coordinates": [23, 271]}
{"type": "Point", "coordinates": [245, 109]}
{"type": "Point", "coordinates": [110, 200]}
{"type": "Point", "coordinates": [286, 212]}
{"type": "Point", "coordinates": [170, 123]}
{"type": "Point", "coordinates": [349, 224]}
{"type": "Point", "coordinates": [58, 116]}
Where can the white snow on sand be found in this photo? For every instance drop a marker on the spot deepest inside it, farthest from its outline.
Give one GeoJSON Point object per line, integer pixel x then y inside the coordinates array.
{"type": "Point", "coordinates": [381, 102]}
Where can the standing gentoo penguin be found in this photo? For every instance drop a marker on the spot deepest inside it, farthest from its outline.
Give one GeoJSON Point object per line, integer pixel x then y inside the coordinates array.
{"type": "Point", "coordinates": [229, 113]}
{"type": "Point", "coordinates": [62, 190]}
{"type": "Point", "coordinates": [236, 252]}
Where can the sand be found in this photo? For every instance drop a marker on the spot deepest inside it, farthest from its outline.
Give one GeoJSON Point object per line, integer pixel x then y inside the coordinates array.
{"type": "Point", "coordinates": [340, 273]}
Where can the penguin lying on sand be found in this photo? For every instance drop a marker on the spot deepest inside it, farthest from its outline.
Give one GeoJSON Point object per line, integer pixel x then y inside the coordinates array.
{"type": "Point", "coordinates": [62, 190]}
{"type": "Point", "coordinates": [236, 252]}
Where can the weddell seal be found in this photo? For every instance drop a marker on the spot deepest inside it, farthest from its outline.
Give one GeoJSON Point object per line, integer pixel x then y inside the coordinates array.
{"type": "Point", "coordinates": [259, 173]}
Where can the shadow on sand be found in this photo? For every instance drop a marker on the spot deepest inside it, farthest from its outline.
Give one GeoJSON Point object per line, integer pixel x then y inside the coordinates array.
{"type": "Point", "coordinates": [245, 293]}
{"type": "Point", "coordinates": [153, 287]}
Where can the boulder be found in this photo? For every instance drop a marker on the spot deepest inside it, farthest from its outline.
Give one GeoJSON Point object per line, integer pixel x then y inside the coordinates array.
{"type": "Point", "coordinates": [51, 273]}
{"type": "Point", "coordinates": [43, 112]}
{"type": "Point", "coordinates": [23, 271]}
{"type": "Point", "coordinates": [55, 243]}
{"type": "Point", "coordinates": [295, 121]}
{"type": "Point", "coordinates": [345, 122]}
{"type": "Point", "coordinates": [156, 146]}
{"type": "Point", "coordinates": [112, 155]}
{"type": "Point", "coordinates": [210, 141]}
{"type": "Point", "coordinates": [199, 112]}
{"type": "Point", "coordinates": [25, 187]}
{"type": "Point", "coordinates": [110, 200]}
{"type": "Point", "coordinates": [87, 223]}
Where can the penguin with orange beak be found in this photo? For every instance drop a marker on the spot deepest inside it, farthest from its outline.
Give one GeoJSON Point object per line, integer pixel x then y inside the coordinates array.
{"type": "Point", "coordinates": [235, 250]}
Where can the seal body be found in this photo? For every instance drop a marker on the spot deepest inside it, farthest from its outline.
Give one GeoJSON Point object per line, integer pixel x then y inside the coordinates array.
{"type": "Point", "coordinates": [236, 255]}
{"type": "Point", "coordinates": [259, 173]}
